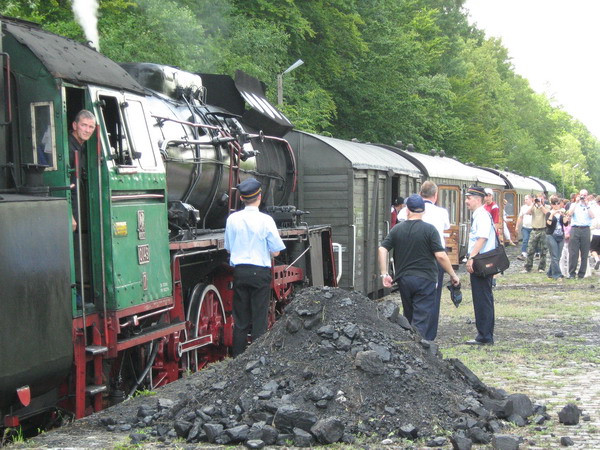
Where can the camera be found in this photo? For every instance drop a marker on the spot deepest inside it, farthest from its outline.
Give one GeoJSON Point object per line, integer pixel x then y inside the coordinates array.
{"type": "Point", "coordinates": [537, 200]}
{"type": "Point", "coordinates": [582, 198]}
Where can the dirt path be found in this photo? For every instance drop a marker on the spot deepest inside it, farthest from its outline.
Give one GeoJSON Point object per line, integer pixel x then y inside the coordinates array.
{"type": "Point", "coordinates": [547, 346]}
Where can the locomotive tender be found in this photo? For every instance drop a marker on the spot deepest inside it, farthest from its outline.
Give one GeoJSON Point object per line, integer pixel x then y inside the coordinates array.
{"type": "Point", "coordinates": [142, 292]}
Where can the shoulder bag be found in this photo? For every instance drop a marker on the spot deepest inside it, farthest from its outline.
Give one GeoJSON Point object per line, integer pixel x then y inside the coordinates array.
{"type": "Point", "coordinates": [492, 262]}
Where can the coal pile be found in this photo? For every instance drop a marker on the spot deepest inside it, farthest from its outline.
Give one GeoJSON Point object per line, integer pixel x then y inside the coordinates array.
{"type": "Point", "coordinates": [336, 367]}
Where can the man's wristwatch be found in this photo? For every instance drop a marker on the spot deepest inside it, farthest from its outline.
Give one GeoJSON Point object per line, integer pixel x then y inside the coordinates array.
{"type": "Point", "coordinates": [384, 275]}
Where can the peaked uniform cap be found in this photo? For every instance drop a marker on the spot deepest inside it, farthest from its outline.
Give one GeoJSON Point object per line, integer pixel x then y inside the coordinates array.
{"type": "Point", "coordinates": [476, 190]}
{"type": "Point", "coordinates": [249, 188]}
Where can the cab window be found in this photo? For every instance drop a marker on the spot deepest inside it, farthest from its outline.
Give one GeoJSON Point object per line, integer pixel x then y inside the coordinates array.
{"type": "Point", "coordinates": [140, 135]}
{"type": "Point", "coordinates": [42, 134]}
{"type": "Point", "coordinates": [120, 151]}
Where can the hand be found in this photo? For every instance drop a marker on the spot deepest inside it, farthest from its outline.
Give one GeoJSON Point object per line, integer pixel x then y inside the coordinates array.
{"type": "Point", "coordinates": [454, 280]}
{"type": "Point", "coordinates": [469, 266]}
{"type": "Point", "coordinates": [387, 281]}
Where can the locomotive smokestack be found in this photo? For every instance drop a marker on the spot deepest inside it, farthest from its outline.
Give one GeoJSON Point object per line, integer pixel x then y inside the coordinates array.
{"type": "Point", "coordinates": [86, 14]}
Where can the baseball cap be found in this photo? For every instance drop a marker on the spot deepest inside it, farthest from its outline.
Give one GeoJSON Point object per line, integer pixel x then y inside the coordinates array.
{"type": "Point", "coordinates": [415, 203]}
{"type": "Point", "coordinates": [488, 191]}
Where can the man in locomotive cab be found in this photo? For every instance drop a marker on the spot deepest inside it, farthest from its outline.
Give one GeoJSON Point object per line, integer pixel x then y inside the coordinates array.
{"type": "Point", "coordinates": [252, 239]}
{"type": "Point", "coordinates": [84, 126]}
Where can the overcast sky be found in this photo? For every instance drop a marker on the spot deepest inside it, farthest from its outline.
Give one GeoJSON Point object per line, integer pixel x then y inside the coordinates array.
{"type": "Point", "coordinates": [552, 43]}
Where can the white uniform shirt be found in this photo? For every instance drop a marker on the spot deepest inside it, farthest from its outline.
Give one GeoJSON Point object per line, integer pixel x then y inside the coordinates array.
{"type": "Point", "coordinates": [251, 237]}
{"type": "Point", "coordinates": [482, 227]}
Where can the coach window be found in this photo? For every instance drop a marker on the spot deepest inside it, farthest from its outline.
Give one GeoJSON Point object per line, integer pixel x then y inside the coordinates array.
{"type": "Point", "coordinates": [42, 133]}
{"type": "Point", "coordinates": [139, 133]}
{"type": "Point", "coordinates": [509, 208]}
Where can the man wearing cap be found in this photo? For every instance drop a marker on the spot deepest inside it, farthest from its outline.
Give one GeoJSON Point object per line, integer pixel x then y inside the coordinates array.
{"type": "Point", "coordinates": [252, 239]}
{"type": "Point", "coordinates": [491, 207]}
{"type": "Point", "coordinates": [482, 238]}
{"type": "Point", "coordinates": [417, 247]}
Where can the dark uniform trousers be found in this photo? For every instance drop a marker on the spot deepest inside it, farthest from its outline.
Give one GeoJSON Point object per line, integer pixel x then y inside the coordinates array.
{"type": "Point", "coordinates": [419, 304]}
{"type": "Point", "coordinates": [251, 292]}
{"type": "Point", "coordinates": [483, 304]}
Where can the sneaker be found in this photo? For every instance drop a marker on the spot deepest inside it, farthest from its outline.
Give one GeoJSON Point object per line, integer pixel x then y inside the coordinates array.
{"type": "Point", "coordinates": [521, 258]}
{"type": "Point", "coordinates": [537, 255]}
{"type": "Point", "coordinates": [525, 271]}
{"type": "Point", "coordinates": [541, 270]}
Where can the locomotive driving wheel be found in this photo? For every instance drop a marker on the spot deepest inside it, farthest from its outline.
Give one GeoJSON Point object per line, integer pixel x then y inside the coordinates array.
{"type": "Point", "coordinates": [204, 335]}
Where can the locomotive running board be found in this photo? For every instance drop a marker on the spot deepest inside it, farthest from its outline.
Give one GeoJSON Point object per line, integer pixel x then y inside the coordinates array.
{"type": "Point", "coordinates": [195, 343]}
{"type": "Point", "coordinates": [154, 332]}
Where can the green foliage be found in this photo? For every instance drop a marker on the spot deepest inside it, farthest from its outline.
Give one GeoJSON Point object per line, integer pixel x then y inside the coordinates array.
{"type": "Point", "coordinates": [376, 70]}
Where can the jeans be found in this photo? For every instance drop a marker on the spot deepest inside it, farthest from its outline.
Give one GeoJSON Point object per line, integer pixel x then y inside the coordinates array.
{"type": "Point", "coordinates": [555, 245]}
{"type": "Point", "coordinates": [525, 232]}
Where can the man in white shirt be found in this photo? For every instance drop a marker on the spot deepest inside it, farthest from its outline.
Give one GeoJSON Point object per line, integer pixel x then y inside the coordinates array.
{"type": "Point", "coordinates": [439, 218]}
{"type": "Point", "coordinates": [579, 244]}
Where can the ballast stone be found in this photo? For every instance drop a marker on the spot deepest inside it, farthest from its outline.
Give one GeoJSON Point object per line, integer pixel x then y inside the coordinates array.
{"type": "Point", "coordinates": [569, 415]}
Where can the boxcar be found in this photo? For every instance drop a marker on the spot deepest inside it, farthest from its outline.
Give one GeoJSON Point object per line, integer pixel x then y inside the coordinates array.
{"type": "Point", "coordinates": [350, 185]}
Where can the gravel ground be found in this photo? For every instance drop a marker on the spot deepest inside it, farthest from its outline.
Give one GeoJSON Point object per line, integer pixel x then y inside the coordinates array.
{"type": "Point", "coordinates": [336, 356]}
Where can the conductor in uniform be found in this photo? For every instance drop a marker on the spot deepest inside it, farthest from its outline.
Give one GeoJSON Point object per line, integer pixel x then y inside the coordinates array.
{"type": "Point", "coordinates": [252, 239]}
{"type": "Point", "coordinates": [482, 239]}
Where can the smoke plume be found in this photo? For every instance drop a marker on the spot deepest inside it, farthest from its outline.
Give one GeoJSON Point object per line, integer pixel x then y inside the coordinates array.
{"type": "Point", "coordinates": [86, 13]}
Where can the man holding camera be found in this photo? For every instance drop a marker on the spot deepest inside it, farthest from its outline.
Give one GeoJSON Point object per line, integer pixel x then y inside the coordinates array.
{"type": "Point", "coordinates": [579, 244]}
{"type": "Point", "coordinates": [537, 238]}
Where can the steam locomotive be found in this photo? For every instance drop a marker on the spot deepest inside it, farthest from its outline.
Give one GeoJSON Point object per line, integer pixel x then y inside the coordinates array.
{"type": "Point", "coordinates": [141, 292]}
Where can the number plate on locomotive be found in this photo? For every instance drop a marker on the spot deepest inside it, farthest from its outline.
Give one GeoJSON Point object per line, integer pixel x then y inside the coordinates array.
{"type": "Point", "coordinates": [143, 254]}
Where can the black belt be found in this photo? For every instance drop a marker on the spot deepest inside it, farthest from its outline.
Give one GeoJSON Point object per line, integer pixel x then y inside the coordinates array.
{"type": "Point", "coordinates": [580, 226]}
{"type": "Point", "coordinates": [539, 229]}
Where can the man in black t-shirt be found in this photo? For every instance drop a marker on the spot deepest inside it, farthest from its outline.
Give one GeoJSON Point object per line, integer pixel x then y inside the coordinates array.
{"type": "Point", "coordinates": [416, 247]}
